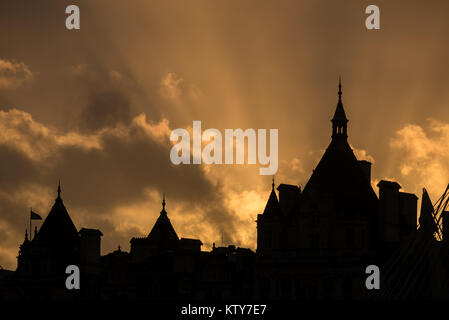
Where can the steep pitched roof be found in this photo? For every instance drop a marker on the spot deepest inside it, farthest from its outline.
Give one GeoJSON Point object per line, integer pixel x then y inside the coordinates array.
{"type": "Point", "coordinates": [340, 114]}
{"type": "Point", "coordinates": [58, 228]}
{"type": "Point", "coordinates": [272, 208]}
{"type": "Point", "coordinates": [339, 171]}
{"type": "Point", "coordinates": [163, 230]}
{"type": "Point", "coordinates": [426, 219]}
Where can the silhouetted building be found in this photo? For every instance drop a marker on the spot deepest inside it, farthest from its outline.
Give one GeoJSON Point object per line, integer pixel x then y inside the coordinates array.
{"type": "Point", "coordinates": [162, 238]}
{"type": "Point", "coordinates": [54, 247]}
{"type": "Point", "coordinates": [317, 243]}
{"type": "Point", "coordinates": [313, 243]}
{"type": "Point", "coordinates": [42, 260]}
{"type": "Point", "coordinates": [419, 268]}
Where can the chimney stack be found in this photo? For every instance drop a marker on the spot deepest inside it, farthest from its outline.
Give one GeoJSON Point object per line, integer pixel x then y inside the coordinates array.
{"type": "Point", "coordinates": [288, 197]}
{"type": "Point", "coordinates": [366, 168]}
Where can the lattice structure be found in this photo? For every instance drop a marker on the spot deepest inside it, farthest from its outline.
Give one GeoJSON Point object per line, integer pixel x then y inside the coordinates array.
{"type": "Point", "coordinates": [440, 206]}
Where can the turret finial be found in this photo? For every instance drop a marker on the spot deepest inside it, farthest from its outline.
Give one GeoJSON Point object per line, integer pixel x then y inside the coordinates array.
{"type": "Point", "coordinates": [339, 89]}
{"type": "Point", "coordinates": [163, 203]}
{"type": "Point", "coordinates": [59, 188]}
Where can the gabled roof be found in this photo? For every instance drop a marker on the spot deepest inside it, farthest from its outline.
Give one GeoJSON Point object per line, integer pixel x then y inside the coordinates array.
{"type": "Point", "coordinates": [58, 228]}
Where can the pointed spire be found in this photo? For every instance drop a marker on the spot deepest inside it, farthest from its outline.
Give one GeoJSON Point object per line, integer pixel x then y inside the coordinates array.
{"type": "Point", "coordinates": [163, 204]}
{"type": "Point", "coordinates": [340, 115]}
{"type": "Point", "coordinates": [339, 121]}
{"type": "Point", "coordinates": [272, 206]}
{"type": "Point", "coordinates": [426, 218]}
{"type": "Point", "coordinates": [163, 229]}
{"type": "Point", "coordinates": [339, 89]}
{"type": "Point", "coordinates": [59, 189]}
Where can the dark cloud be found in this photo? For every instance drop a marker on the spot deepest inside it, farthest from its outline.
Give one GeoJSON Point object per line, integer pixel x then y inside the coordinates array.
{"type": "Point", "coordinates": [105, 109]}
{"type": "Point", "coordinates": [15, 169]}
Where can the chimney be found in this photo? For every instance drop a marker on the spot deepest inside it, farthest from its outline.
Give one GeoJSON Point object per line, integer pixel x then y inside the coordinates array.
{"type": "Point", "coordinates": [288, 197]}
{"type": "Point", "coordinates": [389, 211]}
{"type": "Point", "coordinates": [90, 246]}
{"type": "Point", "coordinates": [366, 168]}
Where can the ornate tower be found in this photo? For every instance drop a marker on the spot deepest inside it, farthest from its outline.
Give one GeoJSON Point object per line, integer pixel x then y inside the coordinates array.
{"type": "Point", "coordinates": [339, 121]}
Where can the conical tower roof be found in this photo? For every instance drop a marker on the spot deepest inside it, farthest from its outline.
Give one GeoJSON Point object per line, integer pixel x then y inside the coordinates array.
{"type": "Point", "coordinates": [340, 115]}
{"type": "Point", "coordinates": [339, 174]}
{"type": "Point", "coordinates": [163, 230]}
{"type": "Point", "coordinates": [58, 228]}
{"type": "Point", "coordinates": [272, 208]}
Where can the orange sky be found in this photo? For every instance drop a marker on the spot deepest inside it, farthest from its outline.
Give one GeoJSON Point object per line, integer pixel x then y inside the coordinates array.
{"type": "Point", "coordinates": [95, 107]}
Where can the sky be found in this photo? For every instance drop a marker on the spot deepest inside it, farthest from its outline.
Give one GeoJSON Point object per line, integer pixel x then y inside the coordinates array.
{"type": "Point", "coordinates": [95, 107]}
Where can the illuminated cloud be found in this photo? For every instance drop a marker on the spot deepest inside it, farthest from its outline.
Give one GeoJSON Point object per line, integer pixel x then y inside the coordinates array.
{"type": "Point", "coordinates": [112, 178]}
{"type": "Point", "coordinates": [424, 155]}
{"type": "Point", "coordinates": [171, 86]}
{"type": "Point", "coordinates": [20, 132]}
{"type": "Point", "coordinates": [362, 154]}
{"type": "Point", "coordinates": [102, 125]}
{"type": "Point", "coordinates": [176, 89]}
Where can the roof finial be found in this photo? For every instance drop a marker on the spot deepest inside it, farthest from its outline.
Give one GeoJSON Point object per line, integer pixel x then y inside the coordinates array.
{"type": "Point", "coordinates": [163, 202]}
{"type": "Point", "coordinates": [339, 89]}
{"type": "Point", "coordinates": [59, 189]}
{"type": "Point", "coordinates": [272, 185]}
